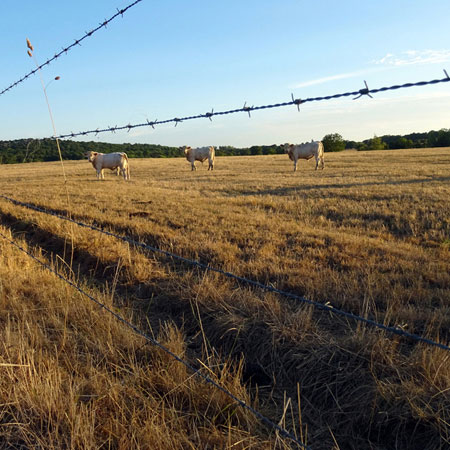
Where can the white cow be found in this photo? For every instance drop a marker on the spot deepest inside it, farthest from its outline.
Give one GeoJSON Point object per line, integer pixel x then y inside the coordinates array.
{"type": "Point", "coordinates": [112, 161]}
{"type": "Point", "coordinates": [305, 151]}
{"type": "Point", "coordinates": [200, 154]}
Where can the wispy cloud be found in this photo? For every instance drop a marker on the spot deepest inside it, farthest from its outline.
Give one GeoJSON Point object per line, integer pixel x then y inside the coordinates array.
{"type": "Point", "coordinates": [390, 60]}
{"type": "Point", "coordinates": [323, 80]}
{"type": "Point", "coordinates": [411, 57]}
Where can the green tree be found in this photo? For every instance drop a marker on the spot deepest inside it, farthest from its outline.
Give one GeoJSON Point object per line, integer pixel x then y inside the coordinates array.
{"type": "Point", "coordinates": [350, 144]}
{"type": "Point", "coordinates": [333, 143]}
{"type": "Point", "coordinates": [402, 142]}
{"type": "Point", "coordinates": [361, 146]}
{"type": "Point", "coordinates": [376, 143]}
{"type": "Point", "coordinates": [255, 150]}
{"type": "Point", "coordinates": [440, 138]}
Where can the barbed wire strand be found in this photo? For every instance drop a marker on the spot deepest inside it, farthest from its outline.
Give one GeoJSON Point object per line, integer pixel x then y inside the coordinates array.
{"type": "Point", "coordinates": [320, 306]}
{"type": "Point", "coordinates": [248, 109]}
{"type": "Point", "coordinates": [120, 12]}
{"type": "Point", "coordinates": [156, 343]}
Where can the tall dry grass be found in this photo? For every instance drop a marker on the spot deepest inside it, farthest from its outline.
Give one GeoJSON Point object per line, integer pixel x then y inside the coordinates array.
{"type": "Point", "coordinates": [74, 377]}
{"type": "Point", "coordinates": [370, 234]}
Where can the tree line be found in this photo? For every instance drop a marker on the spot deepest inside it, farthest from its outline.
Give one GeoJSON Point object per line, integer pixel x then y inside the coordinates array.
{"type": "Point", "coordinates": [440, 138]}
{"type": "Point", "coordinates": [37, 150]}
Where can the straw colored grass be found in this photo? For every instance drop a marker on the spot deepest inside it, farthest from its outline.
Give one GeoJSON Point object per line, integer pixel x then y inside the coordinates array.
{"type": "Point", "coordinates": [370, 234]}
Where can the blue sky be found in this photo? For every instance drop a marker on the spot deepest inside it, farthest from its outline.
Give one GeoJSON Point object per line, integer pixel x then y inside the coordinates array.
{"type": "Point", "coordinates": [167, 59]}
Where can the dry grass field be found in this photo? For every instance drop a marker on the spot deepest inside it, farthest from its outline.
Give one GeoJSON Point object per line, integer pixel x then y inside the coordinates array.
{"type": "Point", "coordinates": [370, 234]}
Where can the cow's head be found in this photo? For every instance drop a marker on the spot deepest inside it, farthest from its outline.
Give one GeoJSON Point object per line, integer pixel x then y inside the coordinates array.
{"type": "Point", "coordinates": [186, 149]}
{"type": "Point", "coordinates": [287, 147]}
{"type": "Point", "coordinates": [91, 156]}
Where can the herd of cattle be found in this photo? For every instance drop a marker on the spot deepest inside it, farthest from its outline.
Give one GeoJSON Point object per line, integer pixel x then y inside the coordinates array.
{"type": "Point", "coordinates": [118, 162]}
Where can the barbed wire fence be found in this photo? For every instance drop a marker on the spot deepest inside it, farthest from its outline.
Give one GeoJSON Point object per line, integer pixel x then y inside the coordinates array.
{"type": "Point", "coordinates": [282, 431]}
{"type": "Point", "coordinates": [248, 109]}
{"type": "Point", "coordinates": [243, 280]}
{"type": "Point", "coordinates": [65, 50]}
{"type": "Point", "coordinates": [209, 115]}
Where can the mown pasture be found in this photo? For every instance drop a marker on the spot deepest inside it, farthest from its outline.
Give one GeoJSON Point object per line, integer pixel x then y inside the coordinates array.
{"type": "Point", "coordinates": [370, 234]}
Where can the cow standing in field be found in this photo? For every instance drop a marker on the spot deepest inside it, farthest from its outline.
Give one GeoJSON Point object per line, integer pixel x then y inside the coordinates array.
{"type": "Point", "coordinates": [112, 161]}
{"type": "Point", "coordinates": [200, 154]}
{"type": "Point", "coordinates": [305, 151]}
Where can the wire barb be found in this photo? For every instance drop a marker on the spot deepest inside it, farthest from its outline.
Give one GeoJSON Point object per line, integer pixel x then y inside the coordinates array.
{"type": "Point", "coordinates": [296, 101]}
{"type": "Point", "coordinates": [364, 91]}
{"type": "Point", "coordinates": [152, 124]}
{"type": "Point", "coordinates": [247, 109]}
{"type": "Point", "coordinates": [210, 114]}
{"type": "Point", "coordinates": [446, 74]}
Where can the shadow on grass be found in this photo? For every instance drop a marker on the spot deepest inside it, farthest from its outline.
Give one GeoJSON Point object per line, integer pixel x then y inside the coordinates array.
{"type": "Point", "coordinates": [295, 190]}
{"type": "Point", "coordinates": [273, 359]}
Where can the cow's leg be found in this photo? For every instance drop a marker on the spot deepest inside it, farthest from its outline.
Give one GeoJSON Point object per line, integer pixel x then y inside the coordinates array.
{"type": "Point", "coordinates": [295, 166]}
{"type": "Point", "coordinates": [193, 167]}
{"type": "Point", "coordinates": [317, 163]}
